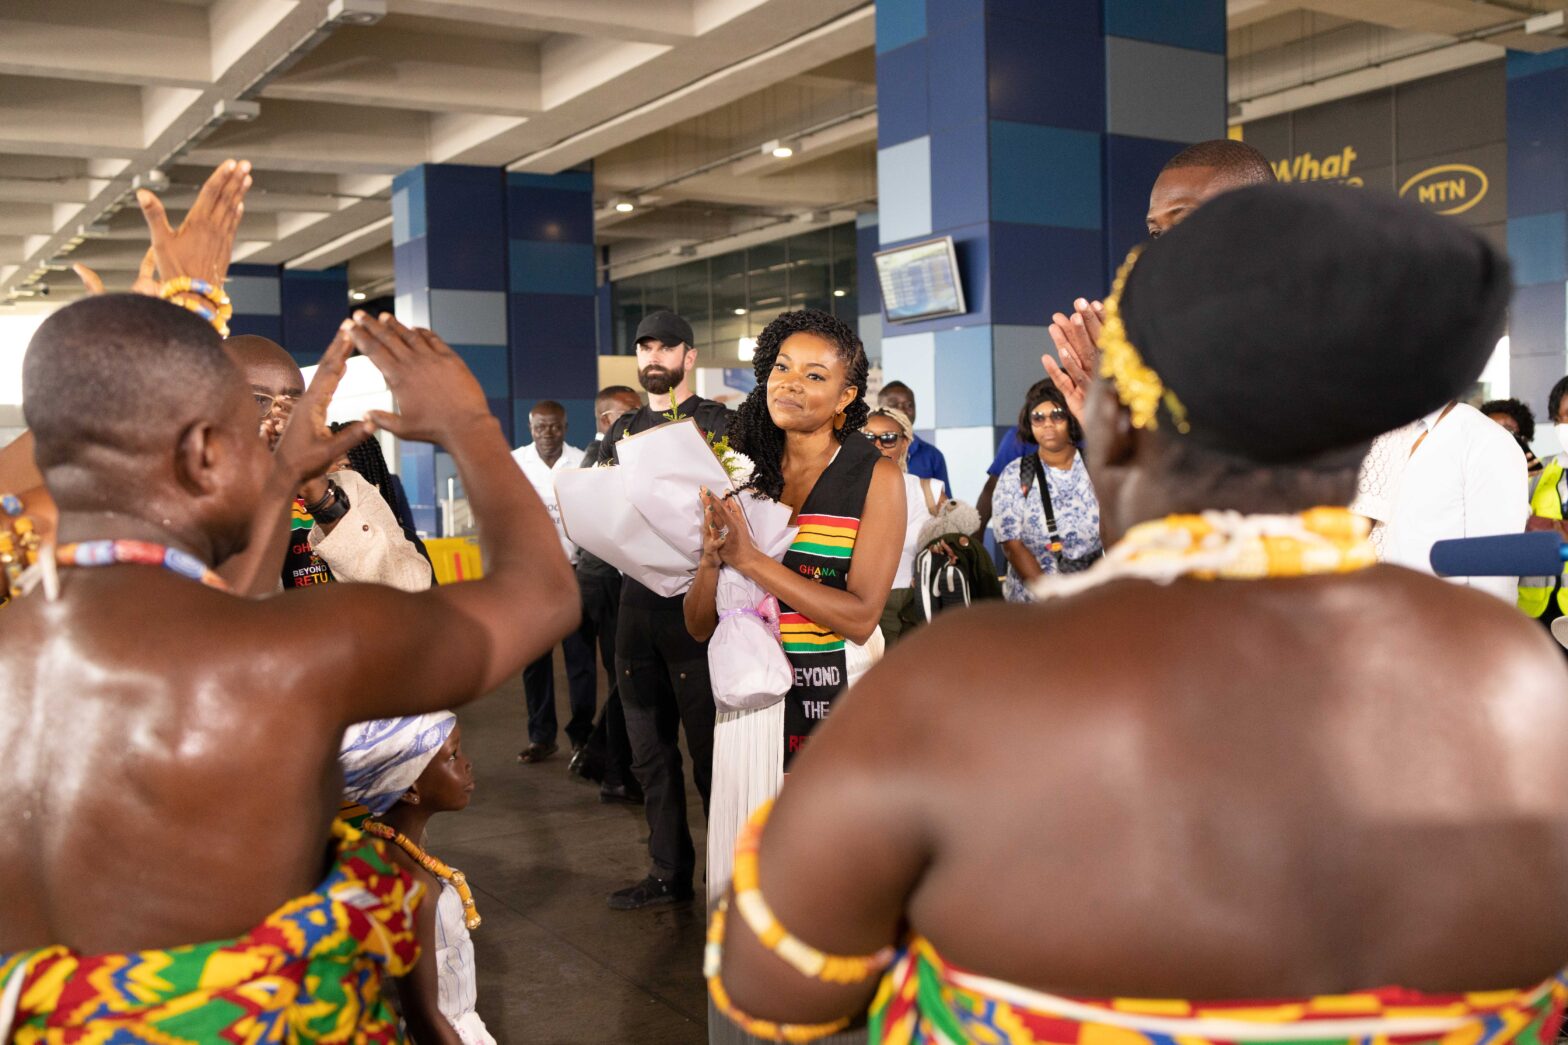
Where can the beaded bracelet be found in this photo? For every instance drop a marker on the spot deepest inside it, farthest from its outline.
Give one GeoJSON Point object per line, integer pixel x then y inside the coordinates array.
{"type": "Point", "coordinates": [795, 1033]}
{"type": "Point", "coordinates": [801, 956]}
{"type": "Point", "coordinates": [212, 304]}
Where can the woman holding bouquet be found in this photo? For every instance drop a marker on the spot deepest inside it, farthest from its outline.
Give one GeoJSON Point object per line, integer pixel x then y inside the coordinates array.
{"type": "Point", "coordinates": [800, 428]}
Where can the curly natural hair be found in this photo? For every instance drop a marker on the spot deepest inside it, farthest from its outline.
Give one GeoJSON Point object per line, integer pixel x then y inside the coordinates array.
{"type": "Point", "coordinates": [754, 433]}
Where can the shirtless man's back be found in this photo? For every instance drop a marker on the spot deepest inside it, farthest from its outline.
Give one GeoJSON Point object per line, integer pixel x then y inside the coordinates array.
{"type": "Point", "coordinates": [169, 750]}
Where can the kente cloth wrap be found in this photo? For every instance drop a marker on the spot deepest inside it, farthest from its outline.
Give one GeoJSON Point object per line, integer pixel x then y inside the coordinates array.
{"type": "Point", "coordinates": [924, 1001]}
{"type": "Point", "coordinates": [311, 972]}
{"type": "Point", "coordinates": [829, 524]}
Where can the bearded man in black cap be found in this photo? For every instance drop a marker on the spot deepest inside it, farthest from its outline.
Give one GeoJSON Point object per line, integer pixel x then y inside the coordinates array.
{"type": "Point", "coordinates": [661, 671]}
{"type": "Point", "coordinates": [1272, 769]}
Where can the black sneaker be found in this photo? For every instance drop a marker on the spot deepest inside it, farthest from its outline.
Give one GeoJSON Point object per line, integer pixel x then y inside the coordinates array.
{"type": "Point", "coordinates": [652, 891]}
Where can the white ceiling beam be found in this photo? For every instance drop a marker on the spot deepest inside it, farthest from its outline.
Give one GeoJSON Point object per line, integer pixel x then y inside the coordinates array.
{"type": "Point", "coordinates": [695, 89]}
{"type": "Point", "coordinates": [410, 70]}
{"type": "Point", "coordinates": [339, 250]}
{"type": "Point", "coordinates": [666, 22]}
{"type": "Point", "coordinates": [846, 135]}
{"type": "Point", "coordinates": [137, 42]}
{"type": "Point", "coordinates": [300, 136]}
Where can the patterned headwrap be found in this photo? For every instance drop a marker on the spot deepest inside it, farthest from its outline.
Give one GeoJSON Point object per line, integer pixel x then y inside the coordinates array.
{"type": "Point", "coordinates": [382, 758]}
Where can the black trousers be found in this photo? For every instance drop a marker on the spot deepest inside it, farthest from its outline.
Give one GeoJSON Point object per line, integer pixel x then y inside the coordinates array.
{"type": "Point", "coordinates": [662, 674]}
{"type": "Point", "coordinates": [582, 692]}
{"type": "Point", "coordinates": [609, 754]}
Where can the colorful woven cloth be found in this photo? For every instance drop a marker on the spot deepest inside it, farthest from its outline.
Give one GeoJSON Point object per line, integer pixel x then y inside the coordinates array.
{"type": "Point", "coordinates": [311, 972]}
{"type": "Point", "coordinates": [924, 1001]}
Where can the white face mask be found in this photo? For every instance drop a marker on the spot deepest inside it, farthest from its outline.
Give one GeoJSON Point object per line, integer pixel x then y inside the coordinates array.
{"type": "Point", "coordinates": [1562, 436]}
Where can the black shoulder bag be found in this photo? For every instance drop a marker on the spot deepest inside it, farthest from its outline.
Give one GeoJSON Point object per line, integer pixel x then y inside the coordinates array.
{"type": "Point", "coordinates": [1064, 563]}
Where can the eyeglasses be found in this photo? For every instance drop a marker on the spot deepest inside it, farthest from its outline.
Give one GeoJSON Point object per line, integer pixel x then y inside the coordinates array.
{"type": "Point", "coordinates": [887, 439]}
{"type": "Point", "coordinates": [265, 402]}
{"type": "Point", "coordinates": [1056, 417]}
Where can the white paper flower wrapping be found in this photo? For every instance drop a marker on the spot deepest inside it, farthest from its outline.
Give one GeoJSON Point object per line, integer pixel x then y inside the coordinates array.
{"type": "Point", "coordinates": [644, 517]}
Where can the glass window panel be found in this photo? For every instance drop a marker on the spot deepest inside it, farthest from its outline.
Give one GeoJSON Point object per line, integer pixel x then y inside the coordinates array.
{"type": "Point", "coordinates": [691, 301]}
{"type": "Point", "coordinates": [846, 286]}
{"type": "Point", "coordinates": [728, 272]}
{"type": "Point", "coordinates": [811, 270]}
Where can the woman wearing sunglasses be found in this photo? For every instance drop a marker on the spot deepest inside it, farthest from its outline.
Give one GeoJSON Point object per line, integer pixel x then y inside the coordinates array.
{"type": "Point", "coordinates": [1047, 517]}
{"type": "Point", "coordinates": [891, 433]}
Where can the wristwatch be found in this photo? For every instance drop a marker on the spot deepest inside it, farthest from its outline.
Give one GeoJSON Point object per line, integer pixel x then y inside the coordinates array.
{"type": "Point", "coordinates": [332, 506]}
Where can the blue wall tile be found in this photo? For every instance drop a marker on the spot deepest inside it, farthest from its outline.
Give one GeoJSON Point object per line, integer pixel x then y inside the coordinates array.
{"type": "Point", "coordinates": [269, 327]}
{"type": "Point", "coordinates": [1538, 248]}
{"type": "Point", "coordinates": [1131, 165]}
{"type": "Point", "coordinates": [1196, 26]}
{"type": "Point", "coordinates": [1538, 143]}
{"type": "Point", "coordinates": [1523, 63]}
{"type": "Point", "coordinates": [1045, 175]}
{"type": "Point", "coordinates": [315, 303]}
{"type": "Point", "coordinates": [472, 317]}
{"type": "Point", "coordinates": [1066, 89]}
{"type": "Point", "coordinates": [904, 190]}
{"type": "Point", "coordinates": [256, 295]}
{"type": "Point", "coordinates": [464, 212]}
{"type": "Point", "coordinates": [960, 193]}
{"type": "Point", "coordinates": [1156, 91]}
{"type": "Point", "coordinates": [411, 266]}
{"type": "Point", "coordinates": [898, 23]}
{"type": "Point", "coordinates": [408, 205]}
{"type": "Point", "coordinates": [1080, 15]}
{"type": "Point", "coordinates": [551, 268]}
{"type": "Point", "coordinates": [963, 378]}
{"type": "Point", "coordinates": [1537, 321]}
{"type": "Point", "coordinates": [489, 364]}
{"type": "Point", "coordinates": [579, 180]}
{"type": "Point", "coordinates": [870, 287]}
{"type": "Point", "coordinates": [1016, 352]}
{"type": "Point", "coordinates": [956, 68]}
{"type": "Point", "coordinates": [1036, 271]}
{"type": "Point", "coordinates": [903, 105]}
{"type": "Point", "coordinates": [911, 358]}
{"type": "Point", "coordinates": [549, 215]}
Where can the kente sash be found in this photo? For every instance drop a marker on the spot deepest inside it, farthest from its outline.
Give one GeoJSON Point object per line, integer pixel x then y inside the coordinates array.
{"type": "Point", "coordinates": [924, 1001]}
{"type": "Point", "coordinates": [310, 972]}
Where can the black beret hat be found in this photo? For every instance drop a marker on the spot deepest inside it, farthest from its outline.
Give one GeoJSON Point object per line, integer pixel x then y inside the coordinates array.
{"type": "Point", "coordinates": [1294, 320]}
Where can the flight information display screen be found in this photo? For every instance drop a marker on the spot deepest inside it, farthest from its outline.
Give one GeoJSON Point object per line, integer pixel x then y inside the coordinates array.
{"type": "Point", "coordinates": [920, 281]}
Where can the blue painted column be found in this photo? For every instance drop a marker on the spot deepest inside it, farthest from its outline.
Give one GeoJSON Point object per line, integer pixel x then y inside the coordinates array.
{"type": "Point", "coordinates": [300, 309]}
{"type": "Point", "coordinates": [502, 267]}
{"type": "Point", "coordinates": [1538, 223]}
{"type": "Point", "coordinates": [1031, 133]}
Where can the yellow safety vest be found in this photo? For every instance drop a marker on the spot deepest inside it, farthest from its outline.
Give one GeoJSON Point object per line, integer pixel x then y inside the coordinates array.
{"type": "Point", "coordinates": [1547, 502]}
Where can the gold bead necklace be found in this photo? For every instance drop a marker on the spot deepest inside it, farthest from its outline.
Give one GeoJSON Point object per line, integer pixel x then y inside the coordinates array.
{"type": "Point", "coordinates": [442, 871]}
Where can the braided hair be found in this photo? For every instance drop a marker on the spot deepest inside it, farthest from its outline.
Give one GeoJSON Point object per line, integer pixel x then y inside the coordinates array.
{"type": "Point", "coordinates": [754, 433]}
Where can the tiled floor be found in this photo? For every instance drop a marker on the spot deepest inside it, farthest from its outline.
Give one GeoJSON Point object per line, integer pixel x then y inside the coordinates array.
{"type": "Point", "coordinates": [556, 965]}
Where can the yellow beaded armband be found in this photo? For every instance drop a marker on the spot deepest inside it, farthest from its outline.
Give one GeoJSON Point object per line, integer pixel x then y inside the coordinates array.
{"type": "Point", "coordinates": [1138, 387]}
{"type": "Point", "coordinates": [801, 956]}
{"type": "Point", "coordinates": [210, 303]}
{"type": "Point", "coordinates": [765, 1029]}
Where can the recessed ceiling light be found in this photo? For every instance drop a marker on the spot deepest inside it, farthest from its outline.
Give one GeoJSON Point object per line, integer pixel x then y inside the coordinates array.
{"type": "Point", "coordinates": [740, 312]}
{"type": "Point", "coordinates": [840, 293]}
{"type": "Point", "coordinates": [778, 149]}
{"type": "Point", "coordinates": [357, 295]}
{"type": "Point", "coordinates": [625, 206]}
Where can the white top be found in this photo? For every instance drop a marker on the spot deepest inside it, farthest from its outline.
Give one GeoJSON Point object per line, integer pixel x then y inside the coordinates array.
{"type": "Point", "coordinates": [1467, 478]}
{"type": "Point", "coordinates": [456, 980]}
{"type": "Point", "coordinates": [919, 514]}
{"type": "Point", "coordinates": [367, 545]}
{"type": "Point", "coordinates": [543, 478]}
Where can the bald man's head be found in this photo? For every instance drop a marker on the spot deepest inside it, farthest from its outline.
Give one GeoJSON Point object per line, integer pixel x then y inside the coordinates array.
{"type": "Point", "coordinates": [274, 377]}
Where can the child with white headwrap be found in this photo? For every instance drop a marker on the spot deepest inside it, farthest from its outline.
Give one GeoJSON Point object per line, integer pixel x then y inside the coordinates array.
{"type": "Point", "coordinates": [403, 771]}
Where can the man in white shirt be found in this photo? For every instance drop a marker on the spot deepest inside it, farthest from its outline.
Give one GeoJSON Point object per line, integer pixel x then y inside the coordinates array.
{"type": "Point", "coordinates": [540, 460]}
{"type": "Point", "coordinates": [1465, 477]}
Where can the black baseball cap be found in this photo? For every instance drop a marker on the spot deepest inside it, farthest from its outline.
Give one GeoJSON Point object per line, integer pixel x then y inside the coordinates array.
{"type": "Point", "coordinates": [666, 327]}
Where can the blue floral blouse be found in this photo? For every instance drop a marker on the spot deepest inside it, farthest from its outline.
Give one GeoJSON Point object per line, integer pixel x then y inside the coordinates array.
{"type": "Point", "coordinates": [1019, 516]}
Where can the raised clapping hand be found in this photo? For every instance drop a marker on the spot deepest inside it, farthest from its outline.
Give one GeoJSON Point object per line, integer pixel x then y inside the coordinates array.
{"type": "Point", "coordinates": [437, 395]}
{"type": "Point", "coordinates": [308, 446]}
{"type": "Point", "coordinates": [201, 247]}
{"type": "Point", "coordinates": [725, 537]}
{"type": "Point", "coordinates": [1077, 345]}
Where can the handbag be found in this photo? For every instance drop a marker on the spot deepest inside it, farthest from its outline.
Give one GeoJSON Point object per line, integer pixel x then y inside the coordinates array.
{"type": "Point", "coordinates": [1064, 563]}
